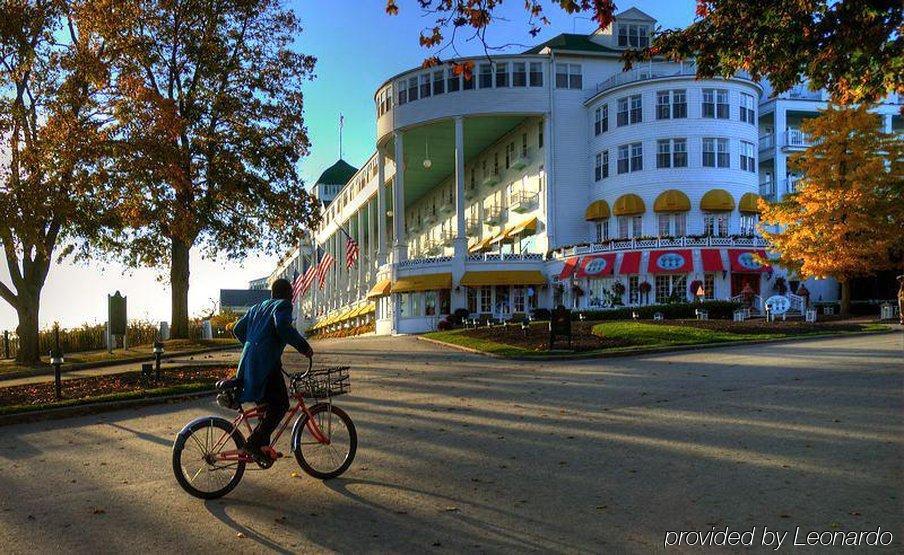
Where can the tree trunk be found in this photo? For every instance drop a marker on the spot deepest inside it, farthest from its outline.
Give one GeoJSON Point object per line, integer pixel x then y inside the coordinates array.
{"type": "Point", "coordinates": [845, 297]}
{"type": "Point", "coordinates": [29, 348]}
{"type": "Point", "coordinates": [179, 274]}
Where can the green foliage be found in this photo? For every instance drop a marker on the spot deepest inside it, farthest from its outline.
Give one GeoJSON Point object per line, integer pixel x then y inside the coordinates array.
{"type": "Point", "coordinates": [718, 310]}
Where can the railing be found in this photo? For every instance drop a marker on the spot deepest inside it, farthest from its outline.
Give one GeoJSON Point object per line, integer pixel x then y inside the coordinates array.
{"type": "Point", "coordinates": [795, 138]}
{"type": "Point", "coordinates": [424, 261]}
{"type": "Point", "coordinates": [767, 142]}
{"type": "Point", "coordinates": [790, 185]}
{"type": "Point", "coordinates": [756, 302]}
{"type": "Point", "coordinates": [473, 225]}
{"type": "Point", "coordinates": [523, 201]}
{"type": "Point", "coordinates": [802, 92]}
{"type": "Point", "coordinates": [797, 302]}
{"type": "Point", "coordinates": [493, 215]}
{"type": "Point", "coordinates": [660, 243]}
{"type": "Point", "coordinates": [651, 70]}
{"type": "Point", "coordinates": [496, 257]}
{"type": "Point", "coordinates": [767, 189]}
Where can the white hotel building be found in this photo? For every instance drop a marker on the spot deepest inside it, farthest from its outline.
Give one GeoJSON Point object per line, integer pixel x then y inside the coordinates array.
{"type": "Point", "coordinates": [550, 176]}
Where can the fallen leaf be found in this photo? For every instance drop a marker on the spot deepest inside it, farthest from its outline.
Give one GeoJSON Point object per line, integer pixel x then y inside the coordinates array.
{"type": "Point", "coordinates": [240, 535]}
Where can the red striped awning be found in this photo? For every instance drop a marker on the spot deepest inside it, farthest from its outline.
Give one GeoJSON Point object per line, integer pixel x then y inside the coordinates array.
{"type": "Point", "coordinates": [746, 261]}
{"type": "Point", "coordinates": [712, 260]}
{"type": "Point", "coordinates": [671, 262]}
{"type": "Point", "coordinates": [568, 269]}
{"type": "Point", "coordinates": [597, 265]}
{"type": "Point", "coordinates": [630, 263]}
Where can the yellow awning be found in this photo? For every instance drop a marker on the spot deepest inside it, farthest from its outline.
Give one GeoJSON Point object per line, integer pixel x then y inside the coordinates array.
{"type": "Point", "coordinates": [368, 308]}
{"type": "Point", "coordinates": [503, 277]}
{"type": "Point", "coordinates": [748, 204]}
{"type": "Point", "coordinates": [483, 244]}
{"type": "Point", "coordinates": [597, 210]}
{"type": "Point", "coordinates": [672, 200]}
{"type": "Point", "coordinates": [427, 282]}
{"type": "Point", "coordinates": [629, 205]}
{"type": "Point", "coordinates": [381, 289]}
{"type": "Point", "coordinates": [718, 200]}
{"type": "Point", "coordinates": [529, 225]}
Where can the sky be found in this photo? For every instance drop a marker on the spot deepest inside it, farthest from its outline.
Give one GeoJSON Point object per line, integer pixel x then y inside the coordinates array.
{"type": "Point", "coordinates": [358, 47]}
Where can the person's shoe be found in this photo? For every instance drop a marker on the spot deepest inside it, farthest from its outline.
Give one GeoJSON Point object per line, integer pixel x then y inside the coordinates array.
{"type": "Point", "coordinates": [262, 459]}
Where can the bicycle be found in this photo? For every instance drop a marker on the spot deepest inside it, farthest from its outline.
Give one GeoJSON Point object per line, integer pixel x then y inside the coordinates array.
{"type": "Point", "coordinates": [324, 439]}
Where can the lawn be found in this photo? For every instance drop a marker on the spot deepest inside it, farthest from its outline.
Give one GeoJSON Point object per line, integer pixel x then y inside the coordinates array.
{"type": "Point", "coordinates": [173, 346]}
{"type": "Point", "coordinates": [630, 336]}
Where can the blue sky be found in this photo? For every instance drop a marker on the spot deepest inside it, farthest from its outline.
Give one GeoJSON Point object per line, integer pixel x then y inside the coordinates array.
{"type": "Point", "coordinates": [358, 47]}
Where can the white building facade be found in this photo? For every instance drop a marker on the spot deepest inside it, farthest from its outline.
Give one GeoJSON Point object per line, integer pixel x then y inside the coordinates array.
{"type": "Point", "coordinates": [553, 177]}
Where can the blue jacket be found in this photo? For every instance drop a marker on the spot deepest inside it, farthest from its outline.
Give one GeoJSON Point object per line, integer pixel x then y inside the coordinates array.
{"type": "Point", "coordinates": [265, 330]}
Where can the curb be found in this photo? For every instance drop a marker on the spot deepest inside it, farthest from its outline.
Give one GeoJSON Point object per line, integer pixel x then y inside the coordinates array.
{"type": "Point", "coordinates": [107, 363]}
{"type": "Point", "coordinates": [57, 413]}
{"type": "Point", "coordinates": [652, 350]}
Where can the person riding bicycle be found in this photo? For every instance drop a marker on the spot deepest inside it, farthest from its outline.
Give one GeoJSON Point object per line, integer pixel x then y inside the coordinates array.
{"type": "Point", "coordinates": [265, 330]}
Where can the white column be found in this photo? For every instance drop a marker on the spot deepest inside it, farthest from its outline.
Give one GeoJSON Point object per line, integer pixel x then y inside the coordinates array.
{"type": "Point", "coordinates": [549, 185]}
{"type": "Point", "coordinates": [381, 207]}
{"type": "Point", "coordinates": [362, 253]}
{"type": "Point", "coordinates": [371, 236]}
{"type": "Point", "coordinates": [461, 239]}
{"type": "Point", "coordinates": [399, 247]}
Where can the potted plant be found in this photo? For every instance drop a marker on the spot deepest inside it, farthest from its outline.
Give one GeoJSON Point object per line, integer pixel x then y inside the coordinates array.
{"type": "Point", "coordinates": [645, 289]}
{"type": "Point", "coordinates": [618, 288]}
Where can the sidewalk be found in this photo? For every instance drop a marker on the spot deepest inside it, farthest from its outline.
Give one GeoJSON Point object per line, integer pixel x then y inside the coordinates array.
{"type": "Point", "coordinates": [221, 357]}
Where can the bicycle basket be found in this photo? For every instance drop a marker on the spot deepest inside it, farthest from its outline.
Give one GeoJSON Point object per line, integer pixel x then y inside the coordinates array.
{"type": "Point", "coordinates": [323, 382]}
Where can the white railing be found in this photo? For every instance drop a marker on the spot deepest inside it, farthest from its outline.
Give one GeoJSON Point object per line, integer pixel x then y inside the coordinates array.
{"type": "Point", "coordinates": [493, 215]}
{"type": "Point", "coordinates": [767, 142]}
{"type": "Point", "coordinates": [797, 302]}
{"type": "Point", "coordinates": [651, 70]}
{"type": "Point", "coordinates": [424, 261]}
{"type": "Point", "coordinates": [795, 138]}
{"type": "Point", "coordinates": [767, 189]}
{"type": "Point", "coordinates": [756, 304]}
{"type": "Point", "coordinates": [497, 257]}
{"type": "Point", "coordinates": [523, 201]}
{"type": "Point", "coordinates": [790, 185]}
{"type": "Point", "coordinates": [660, 243]}
{"type": "Point", "coordinates": [802, 92]}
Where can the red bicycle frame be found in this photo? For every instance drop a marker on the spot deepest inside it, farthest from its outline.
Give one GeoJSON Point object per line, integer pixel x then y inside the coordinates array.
{"type": "Point", "coordinates": [244, 416]}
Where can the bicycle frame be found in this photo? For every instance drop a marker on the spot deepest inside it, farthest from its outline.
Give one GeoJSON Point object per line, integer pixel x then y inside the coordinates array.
{"type": "Point", "coordinates": [244, 417]}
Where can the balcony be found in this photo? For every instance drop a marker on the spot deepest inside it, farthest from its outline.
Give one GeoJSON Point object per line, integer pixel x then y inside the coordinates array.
{"type": "Point", "coordinates": [430, 218]}
{"type": "Point", "coordinates": [767, 142]}
{"type": "Point", "coordinates": [651, 71]}
{"type": "Point", "coordinates": [471, 193]}
{"type": "Point", "coordinates": [473, 226]}
{"type": "Point", "coordinates": [446, 237]}
{"type": "Point", "coordinates": [790, 185]}
{"type": "Point", "coordinates": [494, 215]}
{"type": "Point", "coordinates": [660, 243]}
{"type": "Point", "coordinates": [523, 201]}
{"type": "Point", "coordinates": [490, 180]}
{"type": "Point", "coordinates": [796, 139]}
{"type": "Point", "coordinates": [447, 208]}
{"type": "Point", "coordinates": [522, 161]}
{"type": "Point", "coordinates": [767, 189]}
{"type": "Point", "coordinates": [802, 92]}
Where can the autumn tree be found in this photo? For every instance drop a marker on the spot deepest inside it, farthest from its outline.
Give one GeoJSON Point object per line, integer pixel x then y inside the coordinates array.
{"type": "Point", "coordinates": [51, 149]}
{"type": "Point", "coordinates": [846, 217]}
{"type": "Point", "coordinates": [209, 129]}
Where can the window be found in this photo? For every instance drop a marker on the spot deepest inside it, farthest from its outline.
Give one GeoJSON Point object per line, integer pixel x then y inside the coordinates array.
{"type": "Point", "coordinates": [540, 135]}
{"type": "Point", "coordinates": [633, 35]}
{"type": "Point", "coordinates": [412, 89]}
{"type": "Point", "coordinates": [748, 109]}
{"type": "Point", "coordinates": [673, 225]}
{"type": "Point", "coordinates": [636, 109]}
{"type": "Point", "coordinates": [518, 299]}
{"type": "Point", "coordinates": [425, 85]}
{"type": "Point", "coordinates": [709, 286]}
{"type": "Point", "coordinates": [671, 104]}
{"type": "Point", "coordinates": [679, 153]}
{"type": "Point", "coordinates": [486, 299]}
{"type": "Point", "coordinates": [715, 224]}
{"type": "Point", "coordinates": [439, 82]}
{"type": "Point", "coordinates": [502, 74]}
{"type": "Point", "coordinates": [664, 153]}
{"type": "Point", "coordinates": [630, 226]}
{"type": "Point", "coordinates": [472, 300]}
{"type": "Point", "coordinates": [715, 153]}
{"type": "Point", "coordinates": [568, 76]}
{"type": "Point", "coordinates": [601, 167]}
{"type": "Point", "coordinates": [486, 76]}
{"type": "Point", "coordinates": [630, 110]}
{"type": "Point", "coordinates": [495, 163]}
{"type": "Point", "coordinates": [601, 230]}
{"type": "Point", "coordinates": [623, 159]}
{"type": "Point", "coordinates": [748, 159]}
{"type": "Point", "coordinates": [403, 92]}
{"type": "Point", "coordinates": [715, 103]}
{"type": "Point", "coordinates": [622, 117]}
{"type": "Point", "coordinates": [453, 83]}
{"type": "Point", "coordinates": [536, 74]}
{"type": "Point", "coordinates": [467, 84]}
{"type": "Point", "coordinates": [748, 224]}
{"type": "Point", "coordinates": [519, 74]}
{"type": "Point", "coordinates": [509, 154]}
{"type": "Point", "coordinates": [430, 298]}
{"type": "Point", "coordinates": [601, 119]}
{"type": "Point", "coordinates": [636, 157]}
{"type": "Point", "coordinates": [633, 289]}
{"type": "Point", "coordinates": [671, 288]}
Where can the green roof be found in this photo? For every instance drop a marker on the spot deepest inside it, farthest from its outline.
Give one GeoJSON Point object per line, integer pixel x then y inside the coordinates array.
{"type": "Point", "coordinates": [573, 43]}
{"type": "Point", "coordinates": [337, 174]}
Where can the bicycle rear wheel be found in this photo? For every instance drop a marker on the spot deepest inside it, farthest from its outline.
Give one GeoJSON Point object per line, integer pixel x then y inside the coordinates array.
{"type": "Point", "coordinates": [320, 460]}
{"type": "Point", "coordinates": [194, 458]}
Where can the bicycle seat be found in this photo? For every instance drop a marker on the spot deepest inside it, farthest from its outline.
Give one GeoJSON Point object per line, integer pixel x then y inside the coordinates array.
{"type": "Point", "coordinates": [228, 393]}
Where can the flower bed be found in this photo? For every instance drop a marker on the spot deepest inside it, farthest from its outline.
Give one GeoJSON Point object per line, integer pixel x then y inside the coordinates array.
{"type": "Point", "coordinates": [537, 337]}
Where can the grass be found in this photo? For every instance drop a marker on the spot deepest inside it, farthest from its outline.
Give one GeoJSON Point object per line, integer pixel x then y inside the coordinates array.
{"type": "Point", "coordinates": [636, 337]}
{"type": "Point", "coordinates": [111, 397]}
{"type": "Point", "coordinates": [172, 346]}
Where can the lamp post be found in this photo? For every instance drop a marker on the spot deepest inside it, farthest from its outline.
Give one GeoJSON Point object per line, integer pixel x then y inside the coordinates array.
{"type": "Point", "coordinates": [158, 354]}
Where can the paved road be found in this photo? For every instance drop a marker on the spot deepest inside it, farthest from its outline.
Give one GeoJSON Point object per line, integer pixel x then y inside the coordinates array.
{"type": "Point", "coordinates": [462, 453]}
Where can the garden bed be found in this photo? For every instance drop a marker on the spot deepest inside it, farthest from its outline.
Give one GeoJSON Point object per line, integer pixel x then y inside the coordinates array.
{"type": "Point", "coordinates": [127, 385]}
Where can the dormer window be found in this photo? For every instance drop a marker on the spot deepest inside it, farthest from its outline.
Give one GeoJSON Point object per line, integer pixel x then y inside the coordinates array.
{"type": "Point", "coordinates": [633, 35]}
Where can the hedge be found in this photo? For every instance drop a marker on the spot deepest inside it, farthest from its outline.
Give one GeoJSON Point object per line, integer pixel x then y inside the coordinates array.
{"type": "Point", "coordinates": [718, 310]}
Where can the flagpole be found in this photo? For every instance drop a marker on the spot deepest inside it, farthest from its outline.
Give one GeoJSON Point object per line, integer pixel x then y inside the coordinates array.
{"type": "Point", "coordinates": [341, 125]}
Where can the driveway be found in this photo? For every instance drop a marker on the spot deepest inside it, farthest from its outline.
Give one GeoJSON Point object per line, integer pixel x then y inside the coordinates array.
{"type": "Point", "coordinates": [463, 453]}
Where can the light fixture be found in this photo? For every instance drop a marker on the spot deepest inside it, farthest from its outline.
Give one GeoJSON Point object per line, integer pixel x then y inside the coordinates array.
{"type": "Point", "coordinates": [427, 162]}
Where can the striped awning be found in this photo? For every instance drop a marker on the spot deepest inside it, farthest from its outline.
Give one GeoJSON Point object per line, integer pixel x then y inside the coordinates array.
{"type": "Point", "coordinates": [503, 277]}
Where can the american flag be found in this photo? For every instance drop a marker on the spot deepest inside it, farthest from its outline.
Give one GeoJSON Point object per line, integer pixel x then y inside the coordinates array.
{"type": "Point", "coordinates": [303, 283]}
{"type": "Point", "coordinates": [351, 252]}
{"type": "Point", "coordinates": [323, 267]}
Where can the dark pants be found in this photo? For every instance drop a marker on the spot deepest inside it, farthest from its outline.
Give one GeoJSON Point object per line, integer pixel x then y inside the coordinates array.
{"type": "Point", "coordinates": [276, 399]}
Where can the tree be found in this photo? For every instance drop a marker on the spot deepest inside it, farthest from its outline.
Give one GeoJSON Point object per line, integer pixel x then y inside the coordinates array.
{"type": "Point", "coordinates": [209, 129]}
{"type": "Point", "coordinates": [846, 218]}
{"type": "Point", "coordinates": [51, 194]}
{"type": "Point", "coordinates": [853, 48]}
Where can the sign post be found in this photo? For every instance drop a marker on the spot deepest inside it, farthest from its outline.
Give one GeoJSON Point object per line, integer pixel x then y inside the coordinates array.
{"type": "Point", "coordinates": [560, 324]}
{"type": "Point", "coordinates": [117, 321]}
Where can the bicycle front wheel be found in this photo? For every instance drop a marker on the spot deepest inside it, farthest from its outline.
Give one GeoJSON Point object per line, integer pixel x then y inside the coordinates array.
{"type": "Point", "coordinates": [195, 458]}
{"type": "Point", "coordinates": [325, 460]}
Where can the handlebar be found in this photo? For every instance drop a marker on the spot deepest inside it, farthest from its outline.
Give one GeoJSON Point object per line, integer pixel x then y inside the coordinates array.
{"type": "Point", "coordinates": [301, 376]}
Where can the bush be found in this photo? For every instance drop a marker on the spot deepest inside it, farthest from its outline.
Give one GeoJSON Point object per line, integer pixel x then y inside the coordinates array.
{"type": "Point", "coordinates": [718, 310]}
{"type": "Point", "coordinates": [457, 317]}
{"type": "Point", "coordinates": [541, 314]}
{"type": "Point", "coordinates": [444, 325]}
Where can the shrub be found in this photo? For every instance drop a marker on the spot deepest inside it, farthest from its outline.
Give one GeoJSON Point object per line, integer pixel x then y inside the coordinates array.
{"type": "Point", "coordinates": [718, 310]}
{"type": "Point", "coordinates": [541, 314]}
{"type": "Point", "coordinates": [444, 325]}
{"type": "Point", "coordinates": [457, 317]}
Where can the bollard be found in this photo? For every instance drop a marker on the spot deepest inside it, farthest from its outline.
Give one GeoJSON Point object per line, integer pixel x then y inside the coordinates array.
{"type": "Point", "coordinates": [6, 344]}
{"type": "Point", "coordinates": [158, 354]}
{"type": "Point", "coordinates": [56, 359]}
